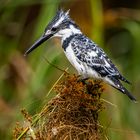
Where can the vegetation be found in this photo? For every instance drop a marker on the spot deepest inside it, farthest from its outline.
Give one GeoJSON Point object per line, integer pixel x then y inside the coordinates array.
{"type": "Point", "coordinates": [72, 114]}
{"type": "Point", "coordinates": [24, 82]}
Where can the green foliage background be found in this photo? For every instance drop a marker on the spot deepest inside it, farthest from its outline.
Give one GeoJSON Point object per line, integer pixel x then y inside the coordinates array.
{"type": "Point", "coordinates": [24, 82]}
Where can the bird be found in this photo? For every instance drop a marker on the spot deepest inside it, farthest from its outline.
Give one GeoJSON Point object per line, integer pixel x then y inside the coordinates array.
{"type": "Point", "coordinates": [86, 56]}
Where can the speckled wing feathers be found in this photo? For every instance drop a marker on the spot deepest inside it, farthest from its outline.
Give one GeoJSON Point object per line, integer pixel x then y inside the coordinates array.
{"type": "Point", "coordinates": [89, 53]}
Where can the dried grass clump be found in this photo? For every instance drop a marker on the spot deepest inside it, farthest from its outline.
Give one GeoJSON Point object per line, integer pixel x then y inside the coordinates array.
{"type": "Point", "coordinates": [71, 115]}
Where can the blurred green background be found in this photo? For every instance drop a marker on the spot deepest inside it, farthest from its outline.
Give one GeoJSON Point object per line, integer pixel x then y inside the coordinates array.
{"type": "Point", "coordinates": [24, 82]}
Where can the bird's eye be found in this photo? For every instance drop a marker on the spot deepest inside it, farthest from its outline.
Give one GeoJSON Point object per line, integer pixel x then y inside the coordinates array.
{"type": "Point", "coordinates": [54, 29]}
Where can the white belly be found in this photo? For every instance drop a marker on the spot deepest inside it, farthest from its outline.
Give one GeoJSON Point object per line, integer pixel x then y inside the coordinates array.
{"type": "Point", "coordinates": [81, 67]}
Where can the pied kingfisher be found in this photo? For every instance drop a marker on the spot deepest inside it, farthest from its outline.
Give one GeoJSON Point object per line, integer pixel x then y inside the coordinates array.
{"type": "Point", "coordinates": [87, 57]}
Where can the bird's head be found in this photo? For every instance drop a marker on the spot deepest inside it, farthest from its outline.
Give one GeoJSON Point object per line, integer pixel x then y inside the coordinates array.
{"type": "Point", "coordinates": [60, 26]}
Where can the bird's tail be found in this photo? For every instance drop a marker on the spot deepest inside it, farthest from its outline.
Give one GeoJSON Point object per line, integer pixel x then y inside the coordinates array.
{"type": "Point", "coordinates": [117, 84]}
{"type": "Point", "coordinates": [125, 91]}
{"type": "Point", "coordinates": [123, 79]}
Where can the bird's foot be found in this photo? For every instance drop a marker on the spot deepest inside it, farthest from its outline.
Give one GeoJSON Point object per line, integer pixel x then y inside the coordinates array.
{"type": "Point", "coordinates": [83, 80]}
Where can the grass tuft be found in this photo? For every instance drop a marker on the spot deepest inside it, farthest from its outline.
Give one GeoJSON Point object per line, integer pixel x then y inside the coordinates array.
{"type": "Point", "coordinates": [71, 114]}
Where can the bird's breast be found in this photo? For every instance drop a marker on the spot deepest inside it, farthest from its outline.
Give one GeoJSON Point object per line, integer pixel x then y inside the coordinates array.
{"type": "Point", "coordinates": [73, 59]}
{"type": "Point", "coordinates": [82, 68]}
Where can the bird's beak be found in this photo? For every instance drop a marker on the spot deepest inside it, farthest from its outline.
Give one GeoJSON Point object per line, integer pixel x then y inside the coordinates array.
{"type": "Point", "coordinates": [38, 42]}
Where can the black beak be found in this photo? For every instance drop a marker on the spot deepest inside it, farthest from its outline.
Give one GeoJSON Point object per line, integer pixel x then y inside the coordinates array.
{"type": "Point", "coordinates": [37, 43]}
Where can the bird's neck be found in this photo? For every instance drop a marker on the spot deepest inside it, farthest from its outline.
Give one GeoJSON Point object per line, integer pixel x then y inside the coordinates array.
{"type": "Point", "coordinates": [65, 43]}
{"type": "Point", "coordinates": [71, 31]}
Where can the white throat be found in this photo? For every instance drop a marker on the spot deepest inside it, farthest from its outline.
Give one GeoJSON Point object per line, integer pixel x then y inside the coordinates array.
{"type": "Point", "coordinates": [65, 33]}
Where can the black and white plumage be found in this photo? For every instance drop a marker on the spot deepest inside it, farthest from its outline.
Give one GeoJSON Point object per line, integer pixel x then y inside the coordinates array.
{"type": "Point", "coordinates": [87, 57]}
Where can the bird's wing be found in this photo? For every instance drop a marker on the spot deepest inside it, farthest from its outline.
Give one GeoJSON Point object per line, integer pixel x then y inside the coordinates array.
{"type": "Point", "coordinates": [111, 68]}
{"type": "Point", "coordinates": [89, 53]}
